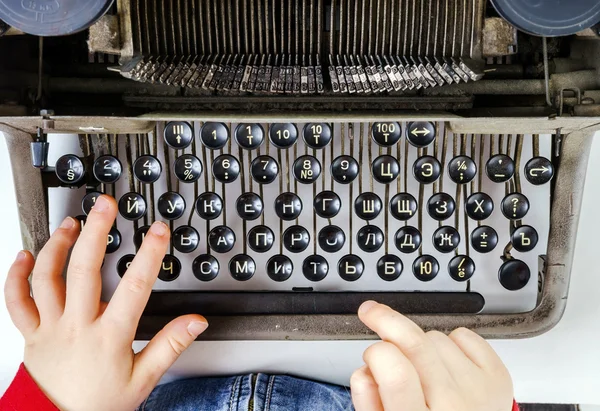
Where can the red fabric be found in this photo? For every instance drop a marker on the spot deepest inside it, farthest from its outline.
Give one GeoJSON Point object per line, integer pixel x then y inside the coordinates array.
{"type": "Point", "coordinates": [24, 395]}
{"type": "Point", "coordinates": [515, 406]}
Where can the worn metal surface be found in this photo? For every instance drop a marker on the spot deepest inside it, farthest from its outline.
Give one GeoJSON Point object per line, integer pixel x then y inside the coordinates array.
{"type": "Point", "coordinates": [499, 38]}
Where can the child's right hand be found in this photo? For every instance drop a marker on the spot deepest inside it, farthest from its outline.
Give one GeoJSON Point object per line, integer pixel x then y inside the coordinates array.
{"type": "Point", "coordinates": [416, 371]}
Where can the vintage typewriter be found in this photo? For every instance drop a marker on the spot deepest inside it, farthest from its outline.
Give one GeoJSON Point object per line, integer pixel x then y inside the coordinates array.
{"type": "Point", "coordinates": [312, 154]}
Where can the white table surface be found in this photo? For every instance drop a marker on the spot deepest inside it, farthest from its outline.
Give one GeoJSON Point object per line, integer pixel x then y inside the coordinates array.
{"type": "Point", "coordinates": [561, 366]}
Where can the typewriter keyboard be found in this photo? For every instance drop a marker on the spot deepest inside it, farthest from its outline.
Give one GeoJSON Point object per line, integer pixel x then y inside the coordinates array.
{"type": "Point", "coordinates": [318, 206]}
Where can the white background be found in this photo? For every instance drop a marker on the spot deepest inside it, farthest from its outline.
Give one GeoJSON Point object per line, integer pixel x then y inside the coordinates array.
{"type": "Point", "coordinates": [561, 366]}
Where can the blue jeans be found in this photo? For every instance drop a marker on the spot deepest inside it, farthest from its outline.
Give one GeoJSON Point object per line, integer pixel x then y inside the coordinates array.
{"type": "Point", "coordinates": [257, 392]}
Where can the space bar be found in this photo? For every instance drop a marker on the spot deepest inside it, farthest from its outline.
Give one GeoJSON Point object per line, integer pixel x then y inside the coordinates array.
{"type": "Point", "coordinates": [308, 303]}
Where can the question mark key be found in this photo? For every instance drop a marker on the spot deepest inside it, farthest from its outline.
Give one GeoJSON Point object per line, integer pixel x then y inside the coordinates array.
{"type": "Point", "coordinates": [515, 206]}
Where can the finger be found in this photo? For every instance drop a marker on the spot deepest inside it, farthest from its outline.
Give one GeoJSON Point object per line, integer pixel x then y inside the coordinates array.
{"type": "Point", "coordinates": [166, 346]}
{"type": "Point", "coordinates": [127, 304]}
{"type": "Point", "coordinates": [20, 305]}
{"type": "Point", "coordinates": [460, 367]}
{"type": "Point", "coordinates": [397, 379]}
{"type": "Point", "coordinates": [83, 275]}
{"type": "Point", "coordinates": [364, 390]}
{"type": "Point", "coordinates": [47, 282]}
{"type": "Point", "coordinates": [478, 350]}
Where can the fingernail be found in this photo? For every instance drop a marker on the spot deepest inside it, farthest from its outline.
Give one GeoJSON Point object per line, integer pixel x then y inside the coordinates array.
{"type": "Point", "coordinates": [21, 255]}
{"type": "Point", "coordinates": [366, 306]}
{"type": "Point", "coordinates": [68, 223]}
{"type": "Point", "coordinates": [195, 328]}
{"type": "Point", "coordinates": [101, 204]}
{"type": "Point", "coordinates": [159, 228]}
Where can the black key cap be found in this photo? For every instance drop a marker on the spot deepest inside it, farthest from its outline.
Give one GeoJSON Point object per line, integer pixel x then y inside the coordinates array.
{"type": "Point", "coordinates": [317, 135]}
{"type": "Point", "coordinates": [307, 169]}
{"type": "Point", "coordinates": [441, 206]}
{"type": "Point", "coordinates": [114, 241]}
{"type": "Point", "coordinates": [107, 169]}
{"type": "Point", "coordinates": [500, 168]}
{"type": "Point", "coordinates": [515, 206]}
{"type": "Point", "coordinates": [209, 205]}
{"type": "Point", "coordinates": [205, 267]}
{"type": "Point", "coordinates": [249, 136]}
{"type": "Point", "coordinates": [403, 206]}
{"type": "Point", "coordinates": [264, 169]}
{"type": "Point", "coordinates": [351, 267]}
{"type": "Point", "coordinates": [367, 206]}
{"type": "Point", "coordinates": [214, 135]}
{"type": "Point", "coordinates": [426, 268]}
{"type": "Point", "coordinates": [331, 238]}
{"type": "Point", "coordinates": [147, 169]}
{"type": "Point", "coordinates": [427, 169]}
{"type": "Point", "coordinates": [221, 239]}
{"type": "Point", "coordinates": [279, 268]}
{"type": "Point", "coordinates": [344, 169]}
{"type": "Point", "coordinates": [139, 235]}
{"type": "Point", "coordinates": [514, 275]}
{"type": "Point", "coordinates": [315, 268]}
{"type": "Point", "coordinates": [261, 238]}
{"type": "Point", "coordinates": [178, 134]}
{"type": "Point", "coordinates": [446, 239]}
{"type": "Point", "coordinates": [242, 267]}
{"type": "Point", "coordinates": [89, 200]}
{"type": "Point", "coordinates": [389, 267]}
{"type": "Point", "coordinates": [132, 206]}
{"type": "Point", "coordinates": [385, 169]}
{"type": "Point", "coordinates": [369, 238]}
{"type": "Point", "coordinates": [283, 135]}
{"type": "Point", "coordinates": [296, 239]}
{"type": "Point", "coordinates": [386, 134]}
{"type": "Point", "coordinates": [124, 263]}
{"type": "Point", "coordinates": [479, 206]}
{"type": "Point", "coordinates": [170, 268]}
{"type": "Point", "coordinates": [188, 168]}
{"type": "Point", "coordinates": [171, 205]}
{"type": "Point", "coordinates": [288, 206]}
{"type": "Point", "coordinates": [82, 220]}
{"type": "Point", "coordinates": [420, 133]}
{"type": "Point", "coordinates": [249, 206]}
{"type": "Point", "coordinates": [70, 169]}
{"type": "Point", "coordinates": [408, 239]}
{"type": "Point", "coordinates": [524, 238]}
{"type": "Point", "coordinates": [484, 239]}
{"type": "Point", "coordinates": [327, 204]}
{"type": "Point", "coordinates": [186, 239]}
{"type": "Point", "coordinates": [226, 168]}
{"type": "Point", "coordinates": [539, 171]}
{"type": "Point", "coordinates": [462, 169]}
{"type": "Point", "coordinates": [461, 268]}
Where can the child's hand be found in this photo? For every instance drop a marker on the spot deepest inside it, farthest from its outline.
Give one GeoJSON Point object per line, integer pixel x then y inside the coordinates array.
{"type": "Point", "coordinates": [417, 371]}
{"type": "Point", "coordinates": [77, 348]}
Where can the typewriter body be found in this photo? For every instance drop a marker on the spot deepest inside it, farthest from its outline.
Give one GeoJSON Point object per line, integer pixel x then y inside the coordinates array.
{"type": "Point", "coordinates": [309, 155]}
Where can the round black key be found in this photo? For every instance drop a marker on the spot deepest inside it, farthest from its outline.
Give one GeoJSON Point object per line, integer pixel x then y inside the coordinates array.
{"type": "Point", "coordinates": [369, 238]}
{"type": "Point", "coordinates": [107, 169]}
{"type": "Point", "coordinates": [283, 135]}
{"type": "Point", "coordinates": [170, 268]}
{"type": "Point", "coordinates": [296, 239]}
{"type": "Point", "coordinates": [205, 267]}
{"type": "Point", "coordinates": [69, 169]}
{"type": "Point", "coordinates": [315, 268]}
{"type": "Point", "coordinates": [479, 206]}
{"type": "Point", "coordinates": [139, 235]}
{"type": "Point", "coordinates": [209, 205]}
{"type": "Point", "coordinates": [249, 206]}
{"type": "Point", "coordinates": [288, 206]}
{"type": "Point", "coordinates": [514, 275]}
{"type": "Point", "coordinates": [264, 169]}
{"type": "Point", "coordinates": [221, 239]}
{"type": "Point", "coordinates": [462, 169]}
{"type": "Point", "coordinates": [114, 241]}
{"type": "Point", "coordinates": [515, 206]}
{"type": "Point", "coordinates": [124, 263]}
{"type": "Point", "coordinates": [178, 134]}
{"type": "Point", "coordinates": [214, 135]}
{"type": "Point", "coordinates": [389, 267]}
{"type": "Point", "coordinates": [261, 238]}
{"type": "Point", "coordinates": [446, 239]}
{"type": "Point", "coordinates": [367, 206]}
{"type": "Point", "coordinates": [188, 168]}
{"type": "Point", "coordinates": [249, 136]}
{"type": "Point", "coordinates": [427, 169]}
{"type": "Point", "coordinates": [385, 169]}
{"type": "Point", "coordinates": [461, 268]}
{"type": "Point", "coordinates": [147, 169]}
{"type": "Point", "coordinates": [279, 268]}
{"type": "Point", "coordinates": [89, 200]}
{"type": "Point", "coordinates": [351, 267]}
{"type": "Point", "coordinates": [344, 169]}
{"type": "Point", "coordinates": [403, 206]}
{"type": "Point", "coordinates": [185, 239]}
{"type": "Point", "coordinates": [226, 168]}
{"type": "Point", "coordinates": [420, 133]}
{"type": "Point", "coordinates": [539, 171]}
{"type": "Point", "coordinates": [331, 238]}
{"type": "Point", "coordinates": [327, 204]}
{"type": "Point", "coordinates": [132, 206]}
{"type": "Point", "coordinates": [307, 169]}
{"type": "Point", "coordinates": [441, 206]}
{"type": "Point", "coordinates": [242, 267]}
{"type": "Point", "coordinates": [484, 239]}
{"type": "Point", "coordinates": [317, 135]}
{"type": "Point", "coordinates": [426, 268]}
{"type": "Point", "coordinates": [408, 239]}
{"type": "Point", "coordinates": [82, 220]}
{"type": "Point", "coordinates": [500, 168]}
{"type": "Point", "coordinates": [386, 134]}
{"type": "Point", "coordinates": [171, 205]}
{"type": "Point", "coordinates": [524, 238]}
